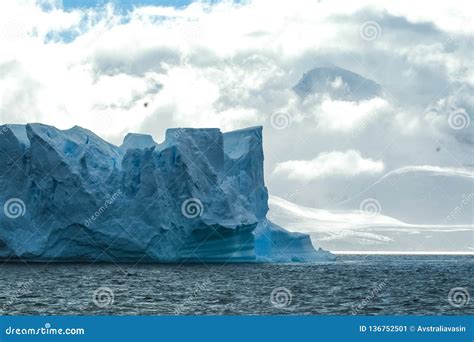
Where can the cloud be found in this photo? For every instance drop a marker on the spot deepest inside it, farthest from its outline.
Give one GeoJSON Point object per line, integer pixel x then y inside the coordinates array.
{"type": "Point", "coordinates": [231, 64]}
{"type": "Point", "coordinates": [454, 114]}
{"type": "Point", "coordinates": [349, 164]}
{"type": "Point", "coordinates": [347, 115]}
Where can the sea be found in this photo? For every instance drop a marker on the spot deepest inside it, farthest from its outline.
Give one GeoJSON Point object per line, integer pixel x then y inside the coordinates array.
{"type": "Point", "coordinates": [350, 285]}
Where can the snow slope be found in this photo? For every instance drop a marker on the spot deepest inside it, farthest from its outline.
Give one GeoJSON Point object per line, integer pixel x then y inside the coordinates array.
{"type": "Point", "coordinates": [422, 195]}
{"type": "Point", "coordinates": [360, 231]}
{"type": "Point", "coordinates": [198, 196]}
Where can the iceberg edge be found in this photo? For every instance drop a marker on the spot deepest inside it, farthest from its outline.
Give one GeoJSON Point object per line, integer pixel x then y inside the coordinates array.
{"type": "Point", "coordinates": [199, 196]}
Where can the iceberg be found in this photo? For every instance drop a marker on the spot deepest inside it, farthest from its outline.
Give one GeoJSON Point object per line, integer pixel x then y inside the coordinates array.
{"type": "Point", "coordinates": [200, 196]}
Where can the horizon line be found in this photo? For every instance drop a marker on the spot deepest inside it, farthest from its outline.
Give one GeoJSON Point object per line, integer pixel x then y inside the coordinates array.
{"type": "Point", "coordinates": [400, 253]}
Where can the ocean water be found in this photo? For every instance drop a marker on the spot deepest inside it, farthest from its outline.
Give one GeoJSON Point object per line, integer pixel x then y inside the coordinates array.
{"type": "Point", "coordinates": [365, 285]}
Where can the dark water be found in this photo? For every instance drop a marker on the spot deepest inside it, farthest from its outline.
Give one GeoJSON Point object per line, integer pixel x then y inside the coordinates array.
{"type": "Point", "coordinates": [366, 285]}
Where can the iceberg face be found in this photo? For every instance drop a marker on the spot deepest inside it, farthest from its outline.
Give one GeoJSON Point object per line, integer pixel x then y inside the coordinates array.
{"type": "Point", "coordinates": [138, 141]}
{"type": "Point", "coordinates": [68, 195]}
{"type": "Point", "coordinates": [273, 243]}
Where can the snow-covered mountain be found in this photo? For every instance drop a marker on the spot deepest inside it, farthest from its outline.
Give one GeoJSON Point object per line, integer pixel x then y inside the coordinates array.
{"type": "Point", "coordinates": [360, 230]}
{"type": "Point", "coordinates": [198, 196]}
{"type": "Point", "coordinates": [337, 83]}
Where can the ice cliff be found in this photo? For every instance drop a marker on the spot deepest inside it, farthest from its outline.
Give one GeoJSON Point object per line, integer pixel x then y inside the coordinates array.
{"type": "Point", "coordinates": [68, 195]}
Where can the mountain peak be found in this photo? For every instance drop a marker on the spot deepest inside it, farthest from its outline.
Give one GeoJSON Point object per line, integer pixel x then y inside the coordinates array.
{"type": "Point", "coordinates": [337, 83]}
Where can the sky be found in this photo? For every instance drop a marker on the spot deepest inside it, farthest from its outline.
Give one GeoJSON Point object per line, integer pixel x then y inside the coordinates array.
{"type": "Point", "coordinates": [145, 66]}
{"type": "Point", "coordinates": [120, 4]}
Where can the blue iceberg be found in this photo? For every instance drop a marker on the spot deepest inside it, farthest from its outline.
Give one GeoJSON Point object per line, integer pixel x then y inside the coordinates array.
{"type": "Point", "coordinates": [199, 196]}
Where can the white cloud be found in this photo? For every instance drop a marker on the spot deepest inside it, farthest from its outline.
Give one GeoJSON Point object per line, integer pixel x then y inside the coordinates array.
{"type": "Point", "coordinates": [349, 163]}
{"type": "Point", "coordinates": [231, 65]}
{"type": "Point", "coordinates": [347, 115]}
